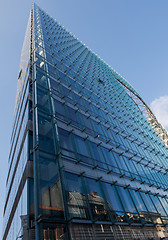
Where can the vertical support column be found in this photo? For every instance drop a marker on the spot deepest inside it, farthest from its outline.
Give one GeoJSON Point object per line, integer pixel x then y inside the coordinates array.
{"type": "Point", "coordinates": [37, 151]}
{"type": "Point", "coordinates": [35, 132]}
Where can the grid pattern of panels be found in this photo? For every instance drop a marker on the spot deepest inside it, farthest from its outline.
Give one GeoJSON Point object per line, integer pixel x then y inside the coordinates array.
{"type": "Point", "coordinates": [102, 134]}
{"type": "Point", "coordinates": [96, 200]}
{"type": "Point", "coordinates": [95, 157]}
{"type": "Point", "coordinates": [99, 106]}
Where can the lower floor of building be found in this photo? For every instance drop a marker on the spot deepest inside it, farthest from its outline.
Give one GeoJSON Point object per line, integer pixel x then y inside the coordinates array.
{"type": "Point", "coordinates": [83, 231]}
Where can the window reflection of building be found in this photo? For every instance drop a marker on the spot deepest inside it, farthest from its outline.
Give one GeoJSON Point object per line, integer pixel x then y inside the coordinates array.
{"type": "Point", "coordinates": [98, 206]}
{"type": "Point", "coordinates": [146, 217]}
{"type": "Point", "coordinates": [77, 205]}
{"type": "Point", "coordinates": [80, 144]}
{"type": "Point", "coordinates": [51, 202]}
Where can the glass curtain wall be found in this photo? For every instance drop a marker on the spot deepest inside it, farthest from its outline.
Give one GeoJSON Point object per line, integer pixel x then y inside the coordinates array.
{"type": "Point", "coordinates": [84, 161]}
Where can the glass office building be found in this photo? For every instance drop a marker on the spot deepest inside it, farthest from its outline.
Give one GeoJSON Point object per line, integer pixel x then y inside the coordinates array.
{"type": "Point", "coordinates": [88, 159]}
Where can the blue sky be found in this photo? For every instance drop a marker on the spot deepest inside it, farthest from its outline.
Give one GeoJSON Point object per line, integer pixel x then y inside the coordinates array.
{"type": "Point", "coordinates": [130, 35]}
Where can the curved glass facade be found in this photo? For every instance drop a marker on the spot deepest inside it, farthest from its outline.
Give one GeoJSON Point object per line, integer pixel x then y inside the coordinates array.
{"type": "Point", "coordinates": [84, 163]}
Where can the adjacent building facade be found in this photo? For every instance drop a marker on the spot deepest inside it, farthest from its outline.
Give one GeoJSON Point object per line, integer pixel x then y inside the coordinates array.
{"type": "Point", "coordinates": [88, 159]}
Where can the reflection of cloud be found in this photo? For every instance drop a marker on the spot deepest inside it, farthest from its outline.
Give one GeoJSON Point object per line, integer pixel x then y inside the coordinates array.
{"type": "Point", "coordinates": [159, 107]}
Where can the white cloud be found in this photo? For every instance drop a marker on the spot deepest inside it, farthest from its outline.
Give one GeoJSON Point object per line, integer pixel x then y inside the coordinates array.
{"type": "Point", "coordinates": [159, 107]}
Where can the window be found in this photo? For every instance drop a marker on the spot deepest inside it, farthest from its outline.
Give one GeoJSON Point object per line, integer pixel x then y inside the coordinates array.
{"type": "Point", "coordinates": [97, 155]}
{"type": "Point", "coordinates": [83, 150]}
{"type": "Point", "coordinates": [50, 199]}
{"type": "Point", "coordinates": [66, 144]}
{"type": "Point", "coordinates": [96, 200]}
{"type": "Point", "coordinates": [60, 110]}
{"type": "Point", "coordinates": [114, 202]}
{"type": "Point", "coordinates": [143, 212]}
{"type": "Point", "coordinates": [76, 200]}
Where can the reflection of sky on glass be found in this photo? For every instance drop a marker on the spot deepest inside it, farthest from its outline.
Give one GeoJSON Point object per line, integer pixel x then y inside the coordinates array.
{"type": "Point", "coordinates": [164, 204]}
{"type": "Point", "coordinates": [150, 205]}
{"type": "Point", "coordinates": [158, 205]}
{"type": "Point", "coordinates": [138, 201]}
{"type": "Point", "coordinates": [136, 47]}
{"type": "Point", "coordinates": [126, 199]}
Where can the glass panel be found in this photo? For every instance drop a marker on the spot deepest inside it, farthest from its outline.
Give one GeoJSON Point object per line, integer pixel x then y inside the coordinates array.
{"type": "Point", "coordinates": [164, 204]}
{"type": "Point", "coordinates": [43, 99]}
{"type": "Point", "coordinates": [151, 208]}
{"type": "Point", "coordinates": [128, 204]}
{"type": "Point", "coordinates": [126, 199]}
{"type": "Point", "coordinates": [76, 200]}
{"type": "Point", "coordinates": [97, 155]}
{"type": "Point", "coordinates": [143, 212]}
{"type": "Point", "coordinates": [158, 205]}
{"type": "Point", "coordinates": [109, 157]}
{"type": "Point", "coordinates": [112, 197]}
{"type": "Point", "coordinates": [45, 133]}
{"type": "Point", "coordinates": [114, 203]}
{"type": "Point", "coordinates": [121, 162]}
{"type": "Point", "coordinates": [148, 202]}
{"type": "Point", "coordinates": [83, 150]}
{"type": "Point", "coordinates": [50, 198]}
{"type": "Point", "coordinates": [96, 200]}
{"type": "Point", "coordinates": [66, 145]}
{"type": "Point", "coordinates": [60, 110]}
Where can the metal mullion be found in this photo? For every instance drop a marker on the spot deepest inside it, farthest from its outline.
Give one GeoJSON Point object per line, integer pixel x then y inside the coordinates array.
{"type": "Point", "coordinates": [35, 138]}
{"type": "Point", "coordinates": [28, 179]}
